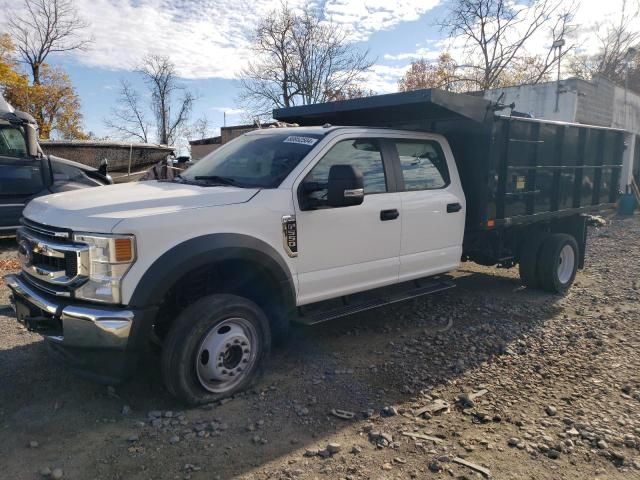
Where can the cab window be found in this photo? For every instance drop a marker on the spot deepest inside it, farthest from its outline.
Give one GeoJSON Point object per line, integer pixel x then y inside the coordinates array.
{"type": "Point", "coordinates": [365, 154]}
{"type": "Point", "coordinates": [12, 142]}
{"type": "Point", "coordinates": [424, 166]}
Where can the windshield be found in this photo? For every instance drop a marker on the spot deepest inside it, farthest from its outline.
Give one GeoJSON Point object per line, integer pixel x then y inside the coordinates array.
{"type": "Point", "coordinates": [12, 142]}
{"type": "Point", "coordinates": [262, 161]}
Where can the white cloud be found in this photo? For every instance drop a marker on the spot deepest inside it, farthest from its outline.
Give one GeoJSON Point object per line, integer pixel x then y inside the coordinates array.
{"type": "Point", "coordinates": [210, 38]}
{"type": "Point", "coordinates": [384, 78]}
{"type": "Point", "coordinates": [229, 110]}
{"type": "Point", "coordinates": [361, 18]}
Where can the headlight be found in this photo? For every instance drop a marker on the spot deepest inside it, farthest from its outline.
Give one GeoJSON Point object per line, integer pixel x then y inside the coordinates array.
{"type": "Point", "coordinates": [109, 258]}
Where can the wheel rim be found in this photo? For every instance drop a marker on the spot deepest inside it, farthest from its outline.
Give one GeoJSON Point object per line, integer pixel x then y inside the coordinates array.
{"type": "Point", "coordinates": [226, 355]}
{"type": "Point", "coordinates": [566, 264]}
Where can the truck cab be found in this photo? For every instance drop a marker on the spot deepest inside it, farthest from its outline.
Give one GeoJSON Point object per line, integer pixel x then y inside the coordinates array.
{"type": "Point", "coordinates": [270, 226]}
{"type": "Point", "coordinates": [26, 173]}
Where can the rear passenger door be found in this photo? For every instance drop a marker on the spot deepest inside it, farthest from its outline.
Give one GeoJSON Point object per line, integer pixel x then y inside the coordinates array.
{"type": "Point", "coordinates": [433, 208]}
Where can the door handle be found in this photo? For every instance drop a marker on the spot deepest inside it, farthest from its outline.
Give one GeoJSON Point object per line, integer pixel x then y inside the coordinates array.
{"type": "Point", "coordinates": [389, 214]}
{"type": "Point", "coordinates": [453, 207]}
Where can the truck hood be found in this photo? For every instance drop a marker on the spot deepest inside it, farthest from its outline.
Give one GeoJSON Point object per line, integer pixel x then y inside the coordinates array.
{"type": "Point", "coordinates": [100, 209]}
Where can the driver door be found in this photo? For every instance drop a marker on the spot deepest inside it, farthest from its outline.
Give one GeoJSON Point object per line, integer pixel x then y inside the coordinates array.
{"type": "Point", "coordinates": [343, 250]}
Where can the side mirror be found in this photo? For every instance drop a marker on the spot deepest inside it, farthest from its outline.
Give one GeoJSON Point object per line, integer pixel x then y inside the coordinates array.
{"type": "Point", "coordinates": [345, 187]}
{"type": "Point", "coordinates": [102, 169]}
{"type": "Point", "coordinates": [32, 139]}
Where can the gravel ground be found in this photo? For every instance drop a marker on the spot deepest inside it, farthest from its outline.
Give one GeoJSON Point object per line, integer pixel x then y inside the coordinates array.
{"type": "Point", "coordinates": [488, 379]}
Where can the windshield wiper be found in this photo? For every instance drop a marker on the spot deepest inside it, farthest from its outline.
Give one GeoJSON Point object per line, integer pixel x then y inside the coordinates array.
{"type": "Point", "coordinates": [218, 179]}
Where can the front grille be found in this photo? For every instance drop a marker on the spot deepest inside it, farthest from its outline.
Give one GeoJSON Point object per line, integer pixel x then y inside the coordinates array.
{"type": "Point", "coordinates": [49, 256]}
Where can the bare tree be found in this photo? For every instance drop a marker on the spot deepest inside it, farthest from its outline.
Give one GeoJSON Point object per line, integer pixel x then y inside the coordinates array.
{"type": "Point", "coordinates": [168, 113]}
{"type": "Point", "coordinates": [159, 74]}
{"type": "Point", "coordinates": [301, 59]}
{"type": "Point", "coordinates": [45, 27]}
{"type": "Point", "coordinates": [498, 32]}
{"type": "Point", "coordinates": [615, 39]}
{"type": "Point", "coordinates": [199, 129]}
{"type": "Point", "coordinates": [128, 117]}
{"type": "Point", "coordinates": [326, 62]}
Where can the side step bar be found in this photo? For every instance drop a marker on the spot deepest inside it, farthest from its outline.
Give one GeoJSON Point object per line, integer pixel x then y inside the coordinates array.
{"type": "Point", "coordinates": [379, 297]}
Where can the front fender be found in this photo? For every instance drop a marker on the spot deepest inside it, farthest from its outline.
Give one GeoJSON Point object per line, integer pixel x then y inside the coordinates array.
{"type": "Point", "coordinates": [208, 249]}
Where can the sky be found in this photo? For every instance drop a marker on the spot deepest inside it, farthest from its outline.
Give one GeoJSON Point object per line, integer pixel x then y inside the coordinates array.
{"type": "Point", "coordinates": [208, 41]}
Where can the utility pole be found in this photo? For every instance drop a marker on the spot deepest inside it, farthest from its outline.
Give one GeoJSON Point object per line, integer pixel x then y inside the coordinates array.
{"type": "Point", "coordinates": [628, 58]}
{"type": "Point", "coordinates": [558, 44]}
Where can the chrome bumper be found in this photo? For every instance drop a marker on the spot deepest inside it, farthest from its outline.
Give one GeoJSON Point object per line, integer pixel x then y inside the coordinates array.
{"type": "Point", "coordinates": [82, 326]}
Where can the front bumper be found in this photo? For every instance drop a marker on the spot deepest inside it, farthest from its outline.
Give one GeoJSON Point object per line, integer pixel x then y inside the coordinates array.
{"type": "Point", "coordinates": [78, 325]}
{"type": "Point", "coordinates": [101, 342]}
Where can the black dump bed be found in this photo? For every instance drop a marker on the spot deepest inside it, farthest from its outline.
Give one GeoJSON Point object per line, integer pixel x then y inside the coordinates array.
{"type": "Point", "coordinates": [514, 170]}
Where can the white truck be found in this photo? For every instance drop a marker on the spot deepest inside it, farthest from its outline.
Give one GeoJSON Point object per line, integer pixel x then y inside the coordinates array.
{"type": "Point", "coordinates": [303, 223]}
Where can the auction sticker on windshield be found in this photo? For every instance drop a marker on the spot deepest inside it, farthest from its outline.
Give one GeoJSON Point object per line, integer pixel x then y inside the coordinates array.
{"type": "Point", "coordinates": [301, 140]}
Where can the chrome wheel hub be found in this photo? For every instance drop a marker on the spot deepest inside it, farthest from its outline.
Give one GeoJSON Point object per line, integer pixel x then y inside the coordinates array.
{"type": "Point", "coordinates": [566, 264]}
{"type": "Point", "coordinates": [225, 355]}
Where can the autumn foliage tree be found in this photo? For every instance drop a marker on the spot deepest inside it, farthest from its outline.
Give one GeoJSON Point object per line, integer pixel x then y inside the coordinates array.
{"type": "Point", "coordinates": [422, 74]}
{"type": "Point", "coordinates": [53, 102]}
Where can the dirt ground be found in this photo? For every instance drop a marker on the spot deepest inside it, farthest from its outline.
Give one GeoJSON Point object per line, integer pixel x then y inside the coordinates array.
{"type": "Point", "coordinates": [551, 390]}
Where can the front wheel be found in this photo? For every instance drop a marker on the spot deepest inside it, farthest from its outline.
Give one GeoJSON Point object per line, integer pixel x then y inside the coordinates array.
{"type": "Point", "coordinates": [558, 263]}
{"type": "Point", "coordinates": [215, 348]}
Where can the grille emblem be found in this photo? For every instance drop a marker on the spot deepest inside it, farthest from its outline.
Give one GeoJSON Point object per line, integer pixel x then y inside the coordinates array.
{"type": "Point", "coordinates": [25, 253]}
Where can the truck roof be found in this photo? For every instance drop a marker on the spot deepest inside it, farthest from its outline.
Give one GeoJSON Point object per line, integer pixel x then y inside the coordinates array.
{"type": "Point", "coordinates": [387, 110]}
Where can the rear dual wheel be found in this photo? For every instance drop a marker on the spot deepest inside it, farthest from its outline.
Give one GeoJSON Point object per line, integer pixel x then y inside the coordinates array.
{"type": "Point", "coordinates": [549, 262]}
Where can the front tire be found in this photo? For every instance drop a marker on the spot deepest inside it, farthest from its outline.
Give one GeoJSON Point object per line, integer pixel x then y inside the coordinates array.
{"type": "Point", "coordinates": [215, 348]}
{"type": "Point", "coordinates": [558, 263]}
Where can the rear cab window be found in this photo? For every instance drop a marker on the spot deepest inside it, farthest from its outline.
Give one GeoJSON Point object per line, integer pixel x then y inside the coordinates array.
{"type": "Point", "coordinates": [423, 164]}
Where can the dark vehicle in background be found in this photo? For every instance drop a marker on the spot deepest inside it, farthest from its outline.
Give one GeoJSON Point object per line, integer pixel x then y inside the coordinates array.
{"type": "Point", "coordinates": [26, 173]}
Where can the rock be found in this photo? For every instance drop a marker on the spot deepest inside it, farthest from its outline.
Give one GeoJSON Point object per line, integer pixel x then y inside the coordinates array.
{"type": "Point", "coordinates": [33, 444]}
{"type": "Point", "coordinates": [310, 452]}
{"type": "Point", "coordinates": [333, 448]}
{"type": "Point", "coordinates": [174, 439]}
{"type": "Point", "coordinates": [551, 410]}
{"type": "Point", "coordinates": [602, 444]}
{"type": "Point", "coordinates": [168, 414]}
{"type": "Point", "coordinates": [513, 441]}
{"type": "Point", "coordinates": [57, 474]}
{"type": "Point", "coordinates": [45, 472]}
{"type": "Point", "coordinates": [553, 454]}
{"type": "Point", "coordinates": [126, 410]}
{"type": "Point", "coordinates": [356, 449]}
{"type": "Point", "coordinates": [389, 412]}
{"type": "Point", "coordinates": [324, 453]}
{"type": "Point", "coordinates": [435, 466]}
{"type": "Point", "coordinates": [465, 401]}
{"type": "Point", "coordinates": [133, 438]}
{"type": "Point", "coordinates": [154, 414]}
{"type": "Point", "coordinates": [617, 456]}
{"type": "Point", "coordinates": [387, 466]}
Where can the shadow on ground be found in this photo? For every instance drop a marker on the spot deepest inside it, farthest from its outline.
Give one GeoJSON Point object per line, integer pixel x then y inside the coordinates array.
{"type": "Point", "coordinates": [369, 360]}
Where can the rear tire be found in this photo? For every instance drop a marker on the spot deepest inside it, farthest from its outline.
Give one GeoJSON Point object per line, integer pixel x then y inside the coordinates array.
{"type": "Point", "coordinates": [528, 265]}
{"type": "Point", "coordinates": [215, 348]}
{"type": "Point", "coordinates": [558, 263]}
